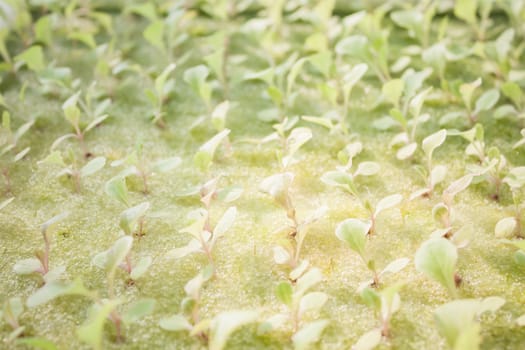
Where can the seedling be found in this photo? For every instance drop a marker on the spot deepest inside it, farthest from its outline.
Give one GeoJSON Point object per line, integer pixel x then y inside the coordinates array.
{"type": "Point", "coordinates": [278, 186]}
{"type": "Point", "coordinates": [355, 233]}
{"type": "Point", "coordinates": [91, 331]}
{"type": "Point", "coordinates": [10, 314]}
{"type": "Point", "coordinates": [135, 271]}
{"type": "Point", "coordinates": [40, 264]}
{"type": "Point", "coordinates": [160, 93]}
{"type": "Point", "coordinates": [512, 225]}
{"type": "Point", "coordinates": [137, 163]}
{"type": "Point", "coordinates": [204, 235]}
{"type": "Point", "coordinates": [407, 101]}
{"type": "Point", "coordinates": [385, 304]}
{"type": "Point", "coordinates": [73, 170]}
{"type": "Point", "coordinates": [458, 320]}
{"type": "Point", "coordinates": [300, 305]}
{"type": "Point", "coordinates": [437, 259]}
{"type": "Point", "coordinates": [203, 159]}
{"type": "Point", "coordinates": [433, 175]}
{"type": "Point", "coordinates": [72, 114]}
{"type": "Point", "coordinates": [196, 77]}
{"type": "Point", "coordinates": [343, 177]}
{"type": "Point", "coordinates": [215, 331]}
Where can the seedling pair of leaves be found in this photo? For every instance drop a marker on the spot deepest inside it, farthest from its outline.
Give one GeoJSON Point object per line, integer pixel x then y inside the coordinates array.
{"type": "Point", "coordinates": [459, 321]}
{"type": "Point", "coordinates": [132, 219]}
{"type": "Point", "coordinates": [301, 305]}
{"type": "Point", "coordinates": [40, 264]}
{"type": "Point", "coordinates": [385, 304]}
{"type": "Point", "coordinates": [403, 94]}
{"type": "Point", "coordinates": [212, 331]}
{"type": "Point", "coordinates": [72, 114]}
{"type": "Point", "coordinates": [355, 233]}
{"type": "Point", "coordinates": [485, 102]}
{"type": "Point", "coordinates": [491, 166]}
{"type": "Point", "coordinates": [344, 177]}
{"type": "Point", "coordinates": [73, 171]}
{"type": "Point", "coordinates": [137, 164]}
{"type": "Point", "coordinates": [278, 187]}
{"type": "Point", "coordinates": [351, 76]}
{"type": "Point", "coordinates": [372, 47]}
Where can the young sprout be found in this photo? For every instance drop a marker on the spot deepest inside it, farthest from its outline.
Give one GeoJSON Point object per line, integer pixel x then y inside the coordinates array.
{"type": "Point", "coordinates": [74, 171]}
{"type": "Point", "coordinates": [158, 96]}
{"type": "Point", "coordinates": [444, 214]}
{"type": "Point", "coordinates": [40, 264]}
{"type": "Point", "coordinates": [512, 225]}
{"type": "Point", "coordinates": [91, 331]}
{"type": "Point", "coordinates": [203, 159]}
{"type": "Point", "coordinates": [355, 232]}
{"type": "Point", "coordinates": [385, 303]}
{"type": "Point", "coordinates": [72, 114]}
{"type": "Point", "coordinates": [485, 102]}
{"type": "Point", "coordinates": [458, 320]}
{"type": "Point", "coordinates": [384, 203]}
{"type": "Point", "coordinates": [437, 259]}
{"type": "Point", "coordinates": [301, 305]}
{"type": "Point", "coordinates": [10, 314]}
{"type": "Point", "coordinates": [196, 77]}
{"type": "Point", "coordinates": [407, 101]}
{"type": "Point", "coordinates": [343, 177]}
{"type": "Point", "coordinates": [491, 165]}
{"type": "Point", "coordinates": [278, 186]}
{"type": "Point", "coordinates": [204, 235]}
{"type": "Point", "coordinates": [433, 175]}
{"type": "Point", "coordinates": [137, 163]}
{"type": "Point", "coordinates": [213, 332]}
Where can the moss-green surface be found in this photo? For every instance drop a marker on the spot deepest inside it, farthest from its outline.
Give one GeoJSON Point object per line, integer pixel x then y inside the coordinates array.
{"type": "Point", "coordinates": [246, 274]}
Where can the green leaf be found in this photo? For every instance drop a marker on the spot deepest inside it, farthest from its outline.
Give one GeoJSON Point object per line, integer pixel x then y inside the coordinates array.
{"type": "Point", "coordinates": [297, 138]}
{"type": "Point", "coordinates": [369, 340]}
{"type": "Point", "coordinates": [225, 223]}
{"type": "Point", "coordinates": [37, 343]}
{"type": "Point", "coordinates": [284, 293]}
{"type": "Point", "coordinates": [92, 166]}
{"type": "Point", "coordinates": [33, 57]}
{"type": "Point", "coordinates": [175, 323]}
{"type": "Point", "coordinates": [55, 289]}
{"type": "Point", "coordinates": [312, 302]}
{"type": "Point", "coordinates": [339, 179]}
{"type": "Point", "coordinates": [506, 227]}
{"type": "Point", "coordinates": [130, 217]}
{"type": "Point", "coordinates": [160, 81]}
{"type": "Point", "coordinates": [140, 268]}
{"type": "Point", "coordinates": [196, 78]}
{"type": "Point", "coordinates": [387, 202]}
{"type": "Point", "coordinates": [354, 232]}
{"type": "Point", "coordinates": [309, 334]}
{"type": "Point", "coordinates": [458, 317]}
{"type": "Point", "coordinates": [215, 61]}
{"type": "Point", "coordinates": [225, 323]}
{"type": "Point", "coordinates": [513, 91]}
{"type": "Point", "coordinates": [294, 73]}
{"type": "Point", "coordinates": [117, 253]}
{"type": "Point", "coordinates": [116, 188]}
{"type": "Point", "coordinates": [367, 169]}
{"type": "Point", "coordinates": [27, 266]}
{"type": "Point", "coordinates": [467, 90]}
{"type": "Point", "coordinates": [71, 111]}
{"type": "Point", "coordinates": [354, 45]}
{"type": "Point", "coordinates": [466, 10]}
{"type": "Point", "coordinates": [154, 34]}
{"type": "Point", "coordinates": [165, 165]}
{"type": "Point", "coordinates": [85, 38]}
{"type": "Point", "coordinates": [44, 30]}
{"type": "Point", "coordinates": [277, 186]}
{"type": "Point", "coordinates": [204, 156]}
{"type": "Point", "coordinates": [218, 116]}
{"type": "Point", "coordinates": [138, 310]}
{"type": "Point", "coordinates": [392, 90]}
{"type": "Point", "coordinates": [437, 259]}
{"type": "Point", "coordinates": [91, 331]}
{"type": "Point", "coordinates": [487, 100]}
{"type": "Point", "coordinates": [406, 151]}
{"type": "Point", "coordinates": [431, 142]}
